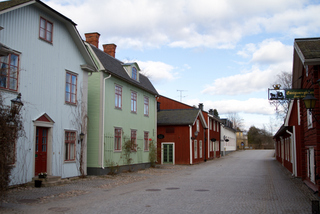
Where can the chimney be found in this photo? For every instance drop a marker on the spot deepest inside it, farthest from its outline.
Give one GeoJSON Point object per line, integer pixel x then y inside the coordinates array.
{"type": "Point", "coordinates": [93, 39]}
{"type": "Point", "coordinates": [201, 106]}
{"type": "Point", "coordinates": [110, 49]}
{"type": "Point", "coordinates": [211, 111]}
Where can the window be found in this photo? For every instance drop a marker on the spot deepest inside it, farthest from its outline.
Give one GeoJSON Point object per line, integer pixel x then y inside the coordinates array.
{"type": "Point", "coordinates": [195, 149]}
{"type": "Point", "coordinates": [118, 96]}
{"type": "Point", "coordinates": [71, 88]}
{"type": "Point", "coordinates": [146, 106]}
{"type": "Point", "coordinates": [134, 73]}
{"type": "Point", "coordinates": [117, 139]}
{"type": "Point", "coordinates": [9, 71]}
{"type": "Point", "coordinates": [210, 124]}
{"type": "Point", "coordinates": [198, 126]}
{"type": "Point", "coordinates": [134, 140]}
{"type": "Point", "coordinates": [309, 118]}
{"type": "Point", "coordinates": [45, 30]}
{"type": "Point", "coordinates": [146, 141]}
{"type": "Point", "coordinates": [70, 145]}
{"type": "Point", "coordinates": [133, 102]}
{"type": "Point", "coordinates": [200, 148]}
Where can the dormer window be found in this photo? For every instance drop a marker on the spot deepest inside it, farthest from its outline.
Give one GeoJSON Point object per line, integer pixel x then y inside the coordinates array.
{"type": "Point", "coordinates": [134, 73]}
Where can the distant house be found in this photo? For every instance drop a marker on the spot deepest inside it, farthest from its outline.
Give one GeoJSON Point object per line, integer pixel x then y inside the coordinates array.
{"type": "Point", "coordinates": [190, 133]}
{"type": "Point", "coordinates": [181, 136]}
{"type": "Point", "coordinates": [44, 58]}
{"type": "Point", "coordinates": [297, 141]}
{"type": "Point", "coordinates": [242, 140]}
{"type": "Point", "coordinates": [122, 112]}
{"type": "Point", "coordinates": [228, 137]}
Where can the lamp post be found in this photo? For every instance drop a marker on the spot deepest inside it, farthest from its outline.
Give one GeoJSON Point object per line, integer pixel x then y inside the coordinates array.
{"type": "Point", "coordinates": [16, 105]}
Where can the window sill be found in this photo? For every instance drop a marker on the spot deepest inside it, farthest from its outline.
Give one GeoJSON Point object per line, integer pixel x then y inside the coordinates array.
{"type": "Point", "coordinates": [9, 90]}
{"type": "Point", "coordinates": [117, 151]}
{"type": "Point", "coordinates": [71, 104]}
{"type": "Point", "coordinates": [47, 41]}
{"type": "Point", "coordinates": [69, 161]}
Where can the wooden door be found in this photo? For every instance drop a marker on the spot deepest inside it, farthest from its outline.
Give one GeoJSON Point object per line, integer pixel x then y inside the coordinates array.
{"type": "Point", "coordinates": [167, 153]}
{"type": "Point", "coordinates": [41, 150]}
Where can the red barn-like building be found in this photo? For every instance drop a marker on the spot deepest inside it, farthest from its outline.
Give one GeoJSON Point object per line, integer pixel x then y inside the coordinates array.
{"type": "Point", "coordinates": [186, 134]}
{"type": "Point", "coordinates": [297, 141]}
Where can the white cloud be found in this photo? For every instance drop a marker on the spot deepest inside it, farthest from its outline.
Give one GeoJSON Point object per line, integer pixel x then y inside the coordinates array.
{"type": "Point", "coordinates": [250, 106]}
{"type": "Point", "coordinates": [240, 84]}
{"type": "Point", "coordinates": [158, 71]}
{"type": "Point", "coordinates": [187, 23]}
{"type": "Point", "coordinates": [273, 53]}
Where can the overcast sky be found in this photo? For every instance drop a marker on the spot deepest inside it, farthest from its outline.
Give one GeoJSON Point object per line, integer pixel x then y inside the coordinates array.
{"type": "Point", "coordinates": [222, 53]}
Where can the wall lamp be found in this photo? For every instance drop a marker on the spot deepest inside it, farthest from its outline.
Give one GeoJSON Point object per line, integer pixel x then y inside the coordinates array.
{"type": "Point", "coordinates": [16, 104]}
{"type": "Point", "coordinates": [309, 101]}
{"type": "Point", "coordinates": [195, 135]}
{"type": "Point", "coordinates": [81, 137]}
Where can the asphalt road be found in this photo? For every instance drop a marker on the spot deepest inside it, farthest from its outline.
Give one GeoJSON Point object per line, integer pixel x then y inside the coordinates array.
{"type": "Point", "coordinates": [241, 182]}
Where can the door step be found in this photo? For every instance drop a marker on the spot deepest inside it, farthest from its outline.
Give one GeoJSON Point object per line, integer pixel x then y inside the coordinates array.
{"type": "Point", "coordinates": [48, 181]}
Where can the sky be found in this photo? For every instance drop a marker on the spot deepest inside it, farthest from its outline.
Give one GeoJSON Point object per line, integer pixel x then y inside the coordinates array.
{"type": "Point", "coordinates": [222, 53]}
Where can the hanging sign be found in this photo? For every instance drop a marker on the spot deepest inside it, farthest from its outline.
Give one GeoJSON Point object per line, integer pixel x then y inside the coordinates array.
{"type": "Point", "coordinates": [297, 93]}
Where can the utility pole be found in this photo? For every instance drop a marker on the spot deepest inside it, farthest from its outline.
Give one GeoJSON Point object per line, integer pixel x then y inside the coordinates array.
{"type": "Point", "coordinates": [181, 94]}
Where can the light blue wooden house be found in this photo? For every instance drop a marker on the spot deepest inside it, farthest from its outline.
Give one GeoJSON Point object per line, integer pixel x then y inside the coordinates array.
{"type": "Point", "coordinates": [44, 58]}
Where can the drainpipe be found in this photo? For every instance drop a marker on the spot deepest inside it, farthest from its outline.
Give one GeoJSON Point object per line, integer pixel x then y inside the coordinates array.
{"type": "Point", "coordinates": [103, 112]}
{"type": "Point", "coordinates": [293, 151]}
{"type": "Point", "coordinates": [190, 134]}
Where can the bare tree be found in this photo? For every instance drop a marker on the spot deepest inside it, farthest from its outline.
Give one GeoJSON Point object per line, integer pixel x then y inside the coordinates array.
{"type": "Point", "coordinates": [237, 121]}
{"type": "Point", "coordinates": [285, 80]}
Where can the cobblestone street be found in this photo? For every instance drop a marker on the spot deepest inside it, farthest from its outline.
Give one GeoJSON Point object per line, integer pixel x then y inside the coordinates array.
{"type": "Point", "coordinates": [241, 182]}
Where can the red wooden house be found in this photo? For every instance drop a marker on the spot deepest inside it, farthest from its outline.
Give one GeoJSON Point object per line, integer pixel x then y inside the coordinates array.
{"type": "Point", "coordinates": [288, 140]}
{"type": "Point", "coordinates": [302, 131]}
{"type": "Point", "coordinates": [178, 125]}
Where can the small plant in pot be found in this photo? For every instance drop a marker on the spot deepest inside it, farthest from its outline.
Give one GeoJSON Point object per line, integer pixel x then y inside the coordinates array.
{"type": "Point", "coordinates": [42, 175]}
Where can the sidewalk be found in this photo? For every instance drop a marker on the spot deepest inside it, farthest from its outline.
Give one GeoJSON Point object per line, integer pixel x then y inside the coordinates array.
{"type": "Point", "coordinates": [78, 186]}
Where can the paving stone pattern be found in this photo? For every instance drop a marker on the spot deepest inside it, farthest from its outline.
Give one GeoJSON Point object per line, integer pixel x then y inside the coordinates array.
{"type": "Point", "coordinates": [241, 182]}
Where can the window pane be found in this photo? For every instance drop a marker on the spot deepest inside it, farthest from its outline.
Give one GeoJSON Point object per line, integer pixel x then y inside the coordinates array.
{"type": "Point", "coordinates": [49, 36]}
{"type": "Point", "coordinates": [42, 23]}
{"type": "Point", "coordinates": [73, 87]}
{"type": "Point", "coordinates": [67, 152]}
{"type": "Point", "coordinates": [73, 98]}
{"type": "Point", "coordinates": [14, 60]}
{"type": "Point", "coordinates": [42, 33]}
{"type": "Point", "coordinates": [74, 80]}
{"type": "Point", "coordinates": [72, 151]}
{"type": "Point", "coordinates": [49, 27]}
{"type": "Point", "coordinates": [13, 84]}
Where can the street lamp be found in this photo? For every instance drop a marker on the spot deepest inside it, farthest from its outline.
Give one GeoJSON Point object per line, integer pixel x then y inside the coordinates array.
{"type": "Point", "coordinates": [309, 101]}
{"type": "Point", "coordinates": [81, 136]}
{"type": "Point", "coordinates": [16, 104]}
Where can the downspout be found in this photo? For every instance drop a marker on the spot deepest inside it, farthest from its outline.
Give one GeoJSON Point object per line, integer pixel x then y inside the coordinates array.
{"type": "Point", "coordinates": [190, 135]}
{"type": "Point", "coordinates": [103, 112]}
{"type": "Point", "coordinates": [294, 173]}
{"type": "Point", "coordinates": [208, 155]}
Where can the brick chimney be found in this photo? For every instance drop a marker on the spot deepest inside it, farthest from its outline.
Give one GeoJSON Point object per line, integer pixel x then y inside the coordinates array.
{"type": "Point", "coordinates": [201, 106]}
{"type": "Point", "coordinates": [93, 38]}
{"type": "Point", "coordinates": [110, 49]}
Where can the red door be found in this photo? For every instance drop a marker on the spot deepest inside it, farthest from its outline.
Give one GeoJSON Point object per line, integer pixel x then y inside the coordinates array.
{"type": "Point", "coordinates": [41, 150]}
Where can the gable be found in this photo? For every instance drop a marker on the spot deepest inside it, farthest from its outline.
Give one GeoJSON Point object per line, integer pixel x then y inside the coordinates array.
{"type": "Point", "coordinates": [44, 118]}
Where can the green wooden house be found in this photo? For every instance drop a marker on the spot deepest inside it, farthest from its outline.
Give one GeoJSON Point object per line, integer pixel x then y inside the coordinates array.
{"type": "Point", "coordinates": [121, 113]}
